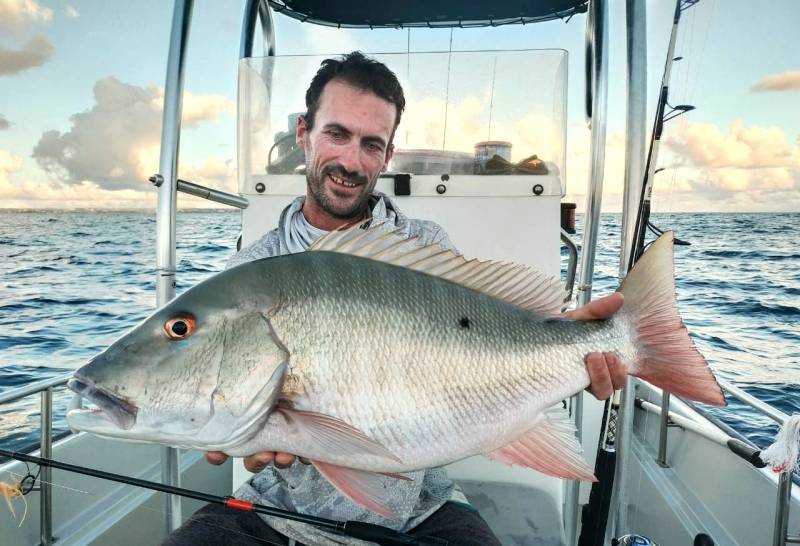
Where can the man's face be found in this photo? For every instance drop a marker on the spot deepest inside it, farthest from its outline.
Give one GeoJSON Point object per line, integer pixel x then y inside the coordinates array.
{"type": "Point", "coordinates": [348, 147]}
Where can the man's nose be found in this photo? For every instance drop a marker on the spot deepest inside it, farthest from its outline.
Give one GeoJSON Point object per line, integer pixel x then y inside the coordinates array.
{"type": "Point", "coordinates": [351, 158]}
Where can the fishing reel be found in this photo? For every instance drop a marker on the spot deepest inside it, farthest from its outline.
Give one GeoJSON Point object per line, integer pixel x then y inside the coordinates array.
{"type": "Point", "coordinates": [632, 540]}
{"type": "Point", "coordinates": [638, 540]}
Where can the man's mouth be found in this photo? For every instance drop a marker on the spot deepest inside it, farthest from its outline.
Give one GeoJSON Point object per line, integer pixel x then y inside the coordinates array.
{"type": "Point", "coordinates": [343, 182]}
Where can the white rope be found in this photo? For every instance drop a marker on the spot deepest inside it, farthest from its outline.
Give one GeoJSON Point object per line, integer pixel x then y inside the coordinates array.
{"type": "Point", "coordinates": [783, 454]}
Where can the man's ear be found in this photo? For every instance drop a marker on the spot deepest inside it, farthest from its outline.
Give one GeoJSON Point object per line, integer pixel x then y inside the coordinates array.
{"type": "Point", "coordinates": [301, 132]}
{"type": "Point", "coordinates": [389, 155]}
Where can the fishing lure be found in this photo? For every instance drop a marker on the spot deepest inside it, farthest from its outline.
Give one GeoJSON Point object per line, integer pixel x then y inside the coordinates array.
{"type": "Point", "coordinates": [10, 491]}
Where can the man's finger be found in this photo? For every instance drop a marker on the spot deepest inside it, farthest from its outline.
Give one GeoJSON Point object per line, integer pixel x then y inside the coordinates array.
{"type": "Point", "coordinates": [216, 457]}
{"type": "Point", "coordinates": [283, 460]}
{"type": "Point", "coordinates": [600, 379]}
{"type": "Point", "coordinates": [598, 309]}
{"type": "Point", "coordinates": [617, 369]}
{"type": "Point", "coordinates": [256, 463]}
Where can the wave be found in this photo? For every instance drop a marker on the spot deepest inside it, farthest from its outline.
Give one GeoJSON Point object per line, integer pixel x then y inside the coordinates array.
{"type": "Point", "coordinates": [753, 254]}
{"type": "Point", "coordinates": [750, 308]}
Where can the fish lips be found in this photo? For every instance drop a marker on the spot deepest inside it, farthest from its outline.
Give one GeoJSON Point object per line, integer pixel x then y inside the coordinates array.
{"type": "Point", "coordinates": [114, 408]}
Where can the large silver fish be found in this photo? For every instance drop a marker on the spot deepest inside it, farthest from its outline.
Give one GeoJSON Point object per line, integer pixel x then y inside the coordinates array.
{"type": "Point", "coordinates": [372, 354]}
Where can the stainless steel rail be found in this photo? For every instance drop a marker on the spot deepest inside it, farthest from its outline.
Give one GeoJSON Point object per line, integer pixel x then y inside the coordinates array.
{"type": "Point", "coordinates": [597, 44]}
{"type": "Point", "coordinates": [212, 195]}
{"type": "Point", "coordinates": [22, 392]}
{"type": "Point", "coordinates": [572, 265]}
{"type": "Point", "coordinates": [166, 212]}
{"type": "Point", "coordinates": [780, 533]}
{"type": "Point", "coordinates": [45, 388]}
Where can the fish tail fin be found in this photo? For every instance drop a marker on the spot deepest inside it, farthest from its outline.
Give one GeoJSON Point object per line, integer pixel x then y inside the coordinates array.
{"type": "Point", "coordinates": [666, 355]}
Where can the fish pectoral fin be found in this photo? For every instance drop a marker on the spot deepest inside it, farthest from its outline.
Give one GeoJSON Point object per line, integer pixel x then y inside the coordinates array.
{"type": "Point", "coordinates": [335, 435]}
{"type": "Point", "coordinates": [549, 447]}
{"type": "Point", "coordinates": [365, 488]}
{"type": "Point", "coordinates": [396, 476]}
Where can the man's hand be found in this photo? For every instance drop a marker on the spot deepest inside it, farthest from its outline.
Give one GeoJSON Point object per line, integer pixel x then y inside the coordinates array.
{"type": "Point", "coordinates": [258, 462]}
{"type": "Point", "coordinates": [607, 373]}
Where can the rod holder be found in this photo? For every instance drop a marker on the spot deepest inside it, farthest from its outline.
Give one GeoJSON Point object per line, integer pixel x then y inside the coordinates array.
{"type": "Point", "coordinates": [663, 431]}
{"type": "Point", "coordinates": [46, 479]}
{"type": "Point", "coordinates": [216, 196]}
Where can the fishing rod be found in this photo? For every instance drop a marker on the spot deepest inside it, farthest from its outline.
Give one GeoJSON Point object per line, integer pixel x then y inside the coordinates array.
{"type": "Point", "coordinates": [355, 529]}
{"type": "Point", "coordinates": [595, 514]}
{"type": "Point", "coordinates": [662, 116]}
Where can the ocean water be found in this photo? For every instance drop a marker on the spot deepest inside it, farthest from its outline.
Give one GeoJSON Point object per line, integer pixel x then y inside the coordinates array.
{"type": "Point", "coordinates": [72, 282]}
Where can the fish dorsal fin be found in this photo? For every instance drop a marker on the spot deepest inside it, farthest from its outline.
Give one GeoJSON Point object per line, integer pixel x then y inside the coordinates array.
{"type": "Point", "coordinates": [512, 283]}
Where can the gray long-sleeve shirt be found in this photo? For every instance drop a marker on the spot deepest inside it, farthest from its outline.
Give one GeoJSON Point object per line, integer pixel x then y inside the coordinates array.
{"type": "Point", "coordinates": [300, 487]}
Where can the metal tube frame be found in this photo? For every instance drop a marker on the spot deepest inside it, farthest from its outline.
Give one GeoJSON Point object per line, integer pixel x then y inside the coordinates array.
{"type": "Point", "coordinates": [662, 431]}
{"type": "Point", "coordinates": [780, 532]}
{"type": "Point", "coordinates": [257, 9]}
{"type": "Point", "coordinates": [45, 473]}
{"type": "Point", "coordinates": [210, 194]}
{"type": "Point", "coordinates": [635, 132]}
{"type": "Point", "coordinates": [636, 122]}
{"type": "Point", "coordinates": [572, 264]}
{"type": "Point", "coordinates": [597, 34]}
{"type": "Point", "coordinates": [166, 212]}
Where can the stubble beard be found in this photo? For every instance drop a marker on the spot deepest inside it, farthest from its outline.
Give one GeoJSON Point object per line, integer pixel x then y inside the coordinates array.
{"type": "Point", "coordinates": [354, 211]}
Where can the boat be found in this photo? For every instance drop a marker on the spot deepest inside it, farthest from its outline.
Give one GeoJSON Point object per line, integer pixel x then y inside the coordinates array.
{"type": "Point", "coordinates": [681, 476]}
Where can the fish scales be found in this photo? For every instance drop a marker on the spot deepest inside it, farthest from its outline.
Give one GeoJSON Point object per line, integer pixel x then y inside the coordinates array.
{"type": "Point", "coordinates": [410, 368]}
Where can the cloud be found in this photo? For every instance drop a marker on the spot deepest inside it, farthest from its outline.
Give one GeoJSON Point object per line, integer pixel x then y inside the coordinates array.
{"type": "Point", "coordinates": [705, 145]}
{"type": "Point", "coordinates": [71, 12]}
{"type": "Point", "coordinates": [4, 123]}
{"type": "Point", "coordinates": [51, 194]}
{"type": "Point", "coordinates": [785, 81]}
{"type": "Point", "coordinates": [9, 163]}
{"type": "Point", "coordinates": [16, 13]}
{"type": "Point", "coordinates": [215, 172]}
{"type": "Point", "coordinates": [36, 52]}
{"type": "Point", "coordinates": [115, 144]}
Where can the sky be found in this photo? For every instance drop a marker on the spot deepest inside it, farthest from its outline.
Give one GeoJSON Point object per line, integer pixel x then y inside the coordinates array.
{"type": "Point", "coordinates": [81, 93]}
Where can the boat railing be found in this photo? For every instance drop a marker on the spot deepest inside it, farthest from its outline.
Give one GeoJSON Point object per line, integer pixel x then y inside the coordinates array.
{"type": "Point", "coordinates": [745, 450]}
{"type": "Point", "coordinates": [741, 447]}
{"type": "Point", "coordinates": [45, 389]}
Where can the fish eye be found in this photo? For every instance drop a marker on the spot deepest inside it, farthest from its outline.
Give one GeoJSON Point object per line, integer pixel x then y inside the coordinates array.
{"type": "Point", "coordinates": [180, 326]}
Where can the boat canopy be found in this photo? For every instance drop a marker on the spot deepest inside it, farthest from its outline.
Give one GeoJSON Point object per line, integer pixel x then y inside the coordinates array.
{"type": "Point", "coordinates": [432, 13]}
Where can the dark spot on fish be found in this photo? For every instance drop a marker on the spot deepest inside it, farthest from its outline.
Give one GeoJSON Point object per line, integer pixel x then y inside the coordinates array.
{"type": "Point", "coordinates": [464, 322]}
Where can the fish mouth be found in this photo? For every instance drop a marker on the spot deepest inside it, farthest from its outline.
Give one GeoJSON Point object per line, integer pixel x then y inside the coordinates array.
{"type": "Point", "coordinates": [109, 406]}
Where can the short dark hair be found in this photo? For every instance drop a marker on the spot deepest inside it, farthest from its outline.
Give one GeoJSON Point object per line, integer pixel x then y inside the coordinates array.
{"type": "Point", "coordinates": [360, 71]}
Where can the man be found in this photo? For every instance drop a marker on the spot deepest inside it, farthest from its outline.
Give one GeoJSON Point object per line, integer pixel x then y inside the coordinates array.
{"type": "Point", "coordinates": [354, 106]}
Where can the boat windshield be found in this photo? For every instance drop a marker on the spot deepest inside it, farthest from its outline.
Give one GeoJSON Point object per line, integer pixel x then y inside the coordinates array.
{"type": "Point", "coordinates": [475, 113]}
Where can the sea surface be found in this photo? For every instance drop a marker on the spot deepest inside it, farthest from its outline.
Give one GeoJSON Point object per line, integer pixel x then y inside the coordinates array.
{"type": "Point", "coordinates": [72, 282]}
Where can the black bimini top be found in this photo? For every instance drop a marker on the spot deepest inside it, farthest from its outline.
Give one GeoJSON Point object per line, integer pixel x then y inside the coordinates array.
{"type": "Point", "coordinates": [427, 13]}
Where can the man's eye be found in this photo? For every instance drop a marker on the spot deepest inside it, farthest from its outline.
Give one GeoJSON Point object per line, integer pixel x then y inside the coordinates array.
{"type": "Point", "coordinates": [375, 147]}
{"type": "Point", "coordinates": [336, 135]}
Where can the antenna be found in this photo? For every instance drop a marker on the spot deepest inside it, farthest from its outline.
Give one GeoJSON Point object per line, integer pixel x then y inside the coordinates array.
{"type": "Point", "coordinates": [447, 90]}
{"type": "Point", "coordinates": [491, 98]}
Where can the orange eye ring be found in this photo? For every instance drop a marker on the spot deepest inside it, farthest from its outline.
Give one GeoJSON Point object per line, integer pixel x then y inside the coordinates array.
{"type": "Point", "coordinates": [180, 326]}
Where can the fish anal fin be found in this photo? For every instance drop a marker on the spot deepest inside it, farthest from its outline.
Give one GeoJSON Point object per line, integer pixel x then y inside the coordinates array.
{"type": "Point", "coordinates": [334, 435]}
{"type": "Point", "coordinates": [365, 488]}
{"type": "Point", "coordinates": [514, 284]}
{"type": "Point", "coordinates": [549, 447]}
